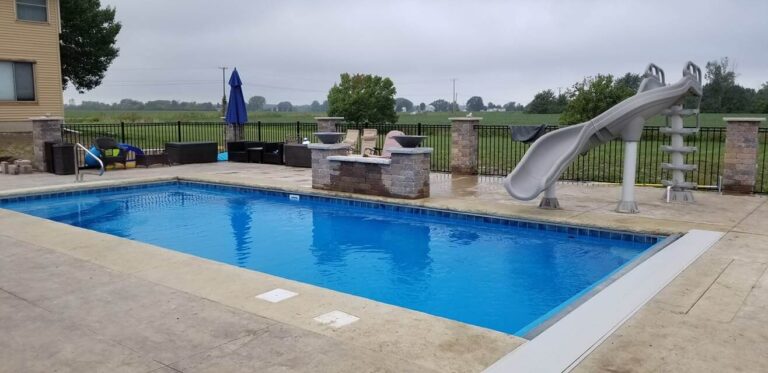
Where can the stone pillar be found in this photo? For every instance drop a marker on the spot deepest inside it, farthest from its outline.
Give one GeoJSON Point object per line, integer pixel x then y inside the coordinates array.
{"type": "Point", "coordinates": [321, 169]}
{"type": "Point", "coordinates": [464, 145]}
{"type": "Point", "coordinates": [327, 124]}
{"type": "Point", "coordinates": [740, 170]}
{"type": "Point", "coordinates": [44, 129]}
{"type": "Point", "coordinates": [409, 172]}
{"type": "Point", "coordinates": [235, 132]}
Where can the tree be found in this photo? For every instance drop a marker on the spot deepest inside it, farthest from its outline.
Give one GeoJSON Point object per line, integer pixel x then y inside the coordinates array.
{"type": "Point", "coordinates": [760, 103]}
{"type": "Point", "coordinates": [475, 103]}
{"type": "Point", "coordinates": [491, 105]}
{"type": "Point", "coordinates": [592, 97]}
{"type": "Point", "coordinates": [403, 105]}
{"type": "Point", "coordinates": [363, 98]}
{"type": "Point", "coordinates": [545, 102]}
{"type": "Point", "coordinates": [284, 106]}
{"type": "Point", "coordinates": [721, 93]}
{"type": "Point", "coordinates": [86, 43]}
{"type": "Point", "coordinates": [315, 107]}
{"type": "Point", "coordinates": [256, 103]}
{"type": "Point", "coordinates": [630, 81]}
{"type": "Point", "coordinates": [441, 105]}
{"type": "Point", "coordinates": [422, 106]}
{"type": "Point", "coordinates": [513, 106]}
{"type": "Point", "coordinates": [130, 105]}
{"type": "Point", "coordinates": [720, 78]}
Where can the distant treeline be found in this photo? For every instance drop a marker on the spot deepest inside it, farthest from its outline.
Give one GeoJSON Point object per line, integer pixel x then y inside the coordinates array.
{"type": "Point", "coordinates": [256, 103]}
{"type": "Point", "coordinates": [594, 95]}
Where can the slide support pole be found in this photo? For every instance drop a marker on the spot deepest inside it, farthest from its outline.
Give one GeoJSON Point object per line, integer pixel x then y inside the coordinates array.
{"type": "Point", "coordinates": [550, 201]}
{"type": "Point", "coordinates": [628, 204]}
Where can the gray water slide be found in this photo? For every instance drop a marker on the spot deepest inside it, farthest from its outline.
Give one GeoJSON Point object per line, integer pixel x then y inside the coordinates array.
{"type": "Point", "coordinates": [551, 154]}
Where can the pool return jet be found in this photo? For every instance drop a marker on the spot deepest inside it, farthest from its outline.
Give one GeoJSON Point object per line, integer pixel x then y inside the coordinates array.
{"type": "Point", "coordinates": [551, 154]}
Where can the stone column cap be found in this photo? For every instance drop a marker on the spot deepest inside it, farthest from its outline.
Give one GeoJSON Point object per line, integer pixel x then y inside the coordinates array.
{"type": "Point", "coordinates": [46, 118]}
{"type": "Point", "coordinates": [465, 119]}
{"type": "Point", "coordinates": [408, 150]}
{"type": "Point", "coordinates": [329, 118]}
{"type": "Point", "coordinates": [746, 119]}
{"type": "Point", "coordinates": [328, 146]}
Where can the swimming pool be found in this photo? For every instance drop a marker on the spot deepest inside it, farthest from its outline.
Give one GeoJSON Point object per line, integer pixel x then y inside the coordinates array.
{"type": "Point", "coordinates": [501, 274]}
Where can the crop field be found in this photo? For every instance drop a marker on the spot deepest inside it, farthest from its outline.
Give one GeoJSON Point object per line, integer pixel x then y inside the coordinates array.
{"type": "Point", "coordinates": [517, 118]}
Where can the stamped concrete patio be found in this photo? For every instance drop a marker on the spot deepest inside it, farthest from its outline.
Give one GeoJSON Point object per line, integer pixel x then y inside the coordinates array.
{"type": "Point", "coordinates": [77, 300]}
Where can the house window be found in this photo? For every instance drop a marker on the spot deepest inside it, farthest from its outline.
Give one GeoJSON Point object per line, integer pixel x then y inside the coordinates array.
{"type": "Point", "coordinates": [32, 10]}
{"type": "Point", "coordinates": [17, 81]}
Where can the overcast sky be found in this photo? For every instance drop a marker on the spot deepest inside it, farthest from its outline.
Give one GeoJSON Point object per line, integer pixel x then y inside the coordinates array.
{"type": "Point", "coordinates": [294, 50]}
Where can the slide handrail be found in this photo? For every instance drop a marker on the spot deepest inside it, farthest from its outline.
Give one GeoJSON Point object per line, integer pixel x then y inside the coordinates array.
{"type": "Point", "coordinates": [655, 70]}
{"type": "Point", "coordinates": [78, 175]}
{"type": "Point", "coordinates": [693, 70]}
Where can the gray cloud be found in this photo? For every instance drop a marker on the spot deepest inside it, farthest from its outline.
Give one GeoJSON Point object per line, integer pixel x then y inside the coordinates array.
{"type": "Point", "coordinates": [501, 50]}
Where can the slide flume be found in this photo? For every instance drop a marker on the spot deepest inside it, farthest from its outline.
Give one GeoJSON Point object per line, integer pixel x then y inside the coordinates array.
{"type": "Point", "coordinates": [551, 154]}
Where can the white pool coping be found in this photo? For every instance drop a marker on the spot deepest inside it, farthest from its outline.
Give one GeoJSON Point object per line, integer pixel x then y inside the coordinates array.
{"type": "Point", "coordinates": [563, 345]}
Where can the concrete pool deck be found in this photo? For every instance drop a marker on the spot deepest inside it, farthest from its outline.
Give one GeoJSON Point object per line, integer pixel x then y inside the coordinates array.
{"type": "Point", "coordinates": [77, 300]}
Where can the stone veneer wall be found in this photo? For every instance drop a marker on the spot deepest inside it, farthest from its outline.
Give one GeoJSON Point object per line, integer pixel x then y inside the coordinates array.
{"type": "Point", "coordinates": [321, 168]}
{"type": "Point", "coordinates": [740, 169]}
{"type": "Point", "coordinates": [44, 129]}
{"type": "Point", "coordinates": [16, 145]}
{"type": "Point", "coordinates": [404, 175]}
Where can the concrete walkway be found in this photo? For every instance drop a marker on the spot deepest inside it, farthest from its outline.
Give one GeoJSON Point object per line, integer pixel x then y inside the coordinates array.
{"type": "Point", "coordinates": [71, 304]}
{"type": "Point", "coordinates": [59, 313]}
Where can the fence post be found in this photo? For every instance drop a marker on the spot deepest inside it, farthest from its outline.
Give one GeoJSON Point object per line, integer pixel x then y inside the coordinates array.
{"type": "Point", "coordinates": [178, 130]}
{"type": "Point", "coordinates": [418, 130]}
{"type": "Point", "coordinates": [741, 143]}
{"type": "Point", "coordinates": [464, 145]}
{"type": "Point", "coordinates": [122, 132]}
{"type": "Point", "coordinates": [258, 130]}
{"type": "Point", "coordinates": [298, 131]}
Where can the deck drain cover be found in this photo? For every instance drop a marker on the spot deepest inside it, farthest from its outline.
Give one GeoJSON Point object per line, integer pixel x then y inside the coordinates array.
{"type": "Point", "coordinates": [277, 295]}
{"type": "Point", "coordinates": [336, 319]}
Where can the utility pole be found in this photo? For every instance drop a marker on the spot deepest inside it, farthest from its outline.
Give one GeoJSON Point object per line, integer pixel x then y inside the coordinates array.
{"type": "Point", "coordinates": [223, 89]}
{"type": "Point", "coordinates": [453, 104]}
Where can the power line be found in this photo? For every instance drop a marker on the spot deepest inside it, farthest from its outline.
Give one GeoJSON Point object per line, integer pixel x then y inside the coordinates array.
{"type": "Point", "coordinates": [453, 105]}
{"type": "Point", "coordinates": [223, 85]}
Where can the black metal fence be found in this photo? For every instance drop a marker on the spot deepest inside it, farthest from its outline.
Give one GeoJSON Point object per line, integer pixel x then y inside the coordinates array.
{"type": "Point", "coordinates": [498, 153]}
{"type": "Point", "coordinates": [761, 182]}
{"type": "Point", "coordinates": [150, 136]}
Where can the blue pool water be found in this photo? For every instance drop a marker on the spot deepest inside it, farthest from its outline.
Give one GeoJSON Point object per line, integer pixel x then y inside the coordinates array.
{"type": "Point", "coordinates": [496, 273]}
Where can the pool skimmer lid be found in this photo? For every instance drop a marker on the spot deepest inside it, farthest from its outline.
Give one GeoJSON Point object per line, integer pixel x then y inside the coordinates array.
{"type": "Point", "coordinates": [277, 295]}
{"type": "Point", "coordinates": [336, 319]}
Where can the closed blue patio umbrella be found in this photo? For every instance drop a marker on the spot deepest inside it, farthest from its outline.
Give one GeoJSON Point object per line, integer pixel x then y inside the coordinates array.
{"type": "Point", "coordinates": [237, 114]}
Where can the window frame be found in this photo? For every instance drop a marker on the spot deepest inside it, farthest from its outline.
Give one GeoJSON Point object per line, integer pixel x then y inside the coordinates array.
{"type": "Point", "coordinates": [35, 92]}
{"type": "Point", "coordinates": [47, 12]}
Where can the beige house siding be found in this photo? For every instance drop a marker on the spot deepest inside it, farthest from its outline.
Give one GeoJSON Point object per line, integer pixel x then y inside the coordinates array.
{"type": "Point", "coordinates": [36, 42]}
